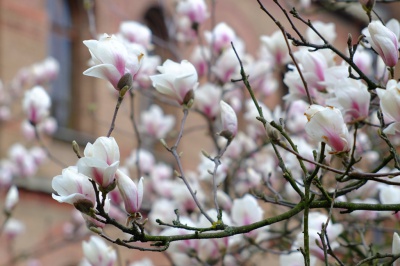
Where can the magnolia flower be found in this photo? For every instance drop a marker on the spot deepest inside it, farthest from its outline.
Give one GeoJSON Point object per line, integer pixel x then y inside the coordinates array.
{"type": "Point", "coordinates": [364, 61]}
{"type": "Point", "coordinates": [13, 228]}
{"type": "Point", "coordinates": [396, 247]}
{"type": "Point", "coordinates": [177, 80]}
{"type": "Point", "coordinates": [36, 104]}
{"type": "Point", "coordinates": [146, 161]}
{"type": "Point", "coordinates": [11, 199]}
{"type": "Point", "coordinates": [74, 188]}
{"type": "Point", "coordinates": [101, 161]}
{"type": "Point", "coordinates": [352, 97]}
{"type": "Point", "coordinates": [155, 124]}
{"type": "Point", "coordinates": [112, 61]}
{"type": "Point", "coordinates": [228, 120]}
{"type": "Point", "coordinates": [131, 194]}
{"type": "Point", "coordinates": [24, 163]}
{"type": "Point", "coordinates": [136, 32]}
{"type": "Point", "coordinates": [208, 97]}
{"type": "Point", "coordinates": [276, 45]}
{"type": "Point", "coordinates": [226, 66]}
{"type": "Point", "coordinates": [200, 58]}
{"type": "Point", "coordinates": [246, 211]}
{"type": "Point", "coordinates": [210, 249]}
{"type": "Point", "coordinates": [148, 68]}
{"type": "Point", "coordinates": [195, 10]}
{"type": "Point", "coordinates": [326, 124]}
{"type": "Point", "coordinates": [98, 253]}
{"type": "Point", "coordinates": [384, 42]}
{"type": "Point", "coordinates": [221, 37]}
{"type": "Point", "coordinates": [390, 105]}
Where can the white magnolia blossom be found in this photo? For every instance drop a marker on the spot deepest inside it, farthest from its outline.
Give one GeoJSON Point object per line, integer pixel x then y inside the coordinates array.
{"type": "Point", "coordinates": [136, 32]}
{"type": "Point", "coordinates": [97, 252]}
{"type": "Point", "coordinates": [352, 98]}
{"type": "Point", "coordinates": [207, 101]}
{"type": "Point", "coordinates": [384, 42]}
{"type": "Point", "coordinates": [177, 80]}
{"type": "Point", "coordinates": [101, 161]}
{"type": "Point", "coordinates": [13, 228]}
{"type": "Point", "coordinates": [132, 195]}
{"type": "Point", "coordinates": [246, 211]}
{"type": "Point", "coordinates": [112, 60]}
{"type": "Point", "coordinates": [276, 46]}
{"type": "Point", "coordinates": [221, 37]}
{"type": "Point", "coordinates": [36, 104]}
{"type": "Point", "coordinates": [146, 161]}
{"type": "Point", "coordinates": [326, 124]}
{"type": "Point", "coordinates": [195, 10]}
{"type": "Point", "coordinates": [199, 58]}
{"type": "Point", "coordinates": [11, 199]}
{"type": "Point", "coordinates": [390, 105]}
{"type": "Point", "coordinates": [228, 120]}
{"type": "Point", "coordinates": [155, 124]}
{"type": "Point", "coordinates": [73, 188]}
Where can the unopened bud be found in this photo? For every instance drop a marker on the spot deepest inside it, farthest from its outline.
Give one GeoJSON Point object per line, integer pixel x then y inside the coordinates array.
{"type": "Point", "coordinates": [189, 99]}
{"type": "Point", "coordinates": [205, 154]}
{"type": "Point", "coordinates": [11, 199]}
{"type": "Point", "coordinates": [85, 206]}
{"type": "Point", "coordinates": [76, 149]}
{"type": "Point", "coordinates": [367, 5]}
{"type": "Point", "coordinates": [125, 83]}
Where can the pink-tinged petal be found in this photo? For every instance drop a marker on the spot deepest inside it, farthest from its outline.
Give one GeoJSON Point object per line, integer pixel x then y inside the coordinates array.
{"type": "Point", "coordinates": [384, 42]}
{"type": "Point", "coordinates": [229, 120]}
{"type": "Point", "coordinates": [131, 194]}
{"type": "Point", "coordinates": [327, 124]}
{"type": "Point", "coordinates": [176, 80]}
{"type": "Point", "coordinates": [72, 187]}
{"type": "Point", "coordinates": [163, 84]}
{"type": "Point", "coordinates": [104, 71]}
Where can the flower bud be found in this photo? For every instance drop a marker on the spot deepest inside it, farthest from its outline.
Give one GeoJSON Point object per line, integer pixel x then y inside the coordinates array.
{"type": "Point", "coordinates": [11, 199]}
{"type": "Point", "coordinates": [367, 5]}
{"type": "Point", "coordinates": [384, 42]}
{"type": "Point", "coordinates": [131, 194]}
{"type": "Point", "coordinates": [229, 121]}
{"type": "Point", "coordinates": [125, 82]}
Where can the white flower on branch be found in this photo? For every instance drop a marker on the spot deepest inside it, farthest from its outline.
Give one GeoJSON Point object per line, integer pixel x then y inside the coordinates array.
{"type": "Point", "coordinates": [390, 105]}
{"type": "Point", "coordinates": [177, 80]}
{"type": "Point", "coordinates": [326, 124]}
{"type": "Point", "coordinates": [101, 161]}
{"type": "Point", "coordinates": [36, 104]}
{"type": "Point", "coordinates": [74, 188]}
{"type": "Point", "coordinates": [132, 195]}
{"type": "Point", "coordinates": [155, 124]}
{"type": "Point", "coordinates": [384, 42]}
{"type": "Point", "coordinates": [135, 32]}
{"type": "Point", "coordinates": [112, 60]}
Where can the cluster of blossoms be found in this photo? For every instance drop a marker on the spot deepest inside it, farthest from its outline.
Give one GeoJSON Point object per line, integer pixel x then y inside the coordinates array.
{"type": "Point", "coordinates": [23, 161]}
{"type": "Point", "coordinates": [323, 105]}
{"type": "Point", "coordinates": [310, 152]}
{"type": "Point", "coordinates": [100, 165]}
